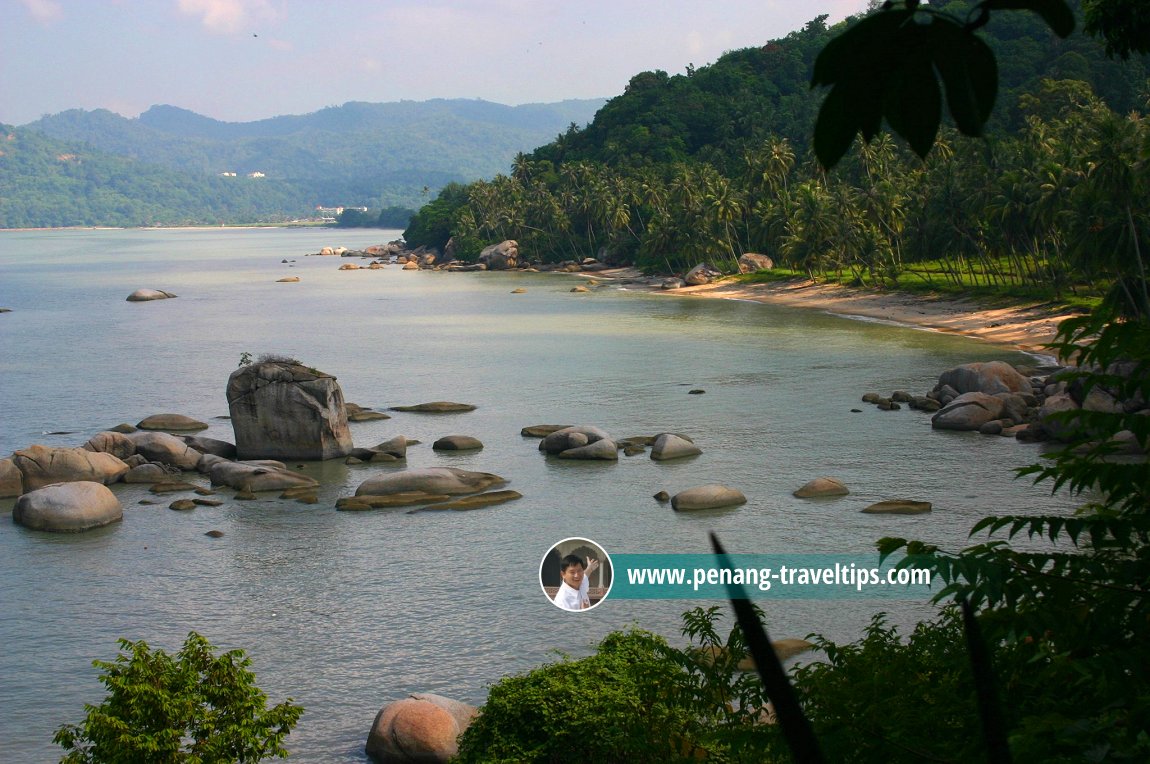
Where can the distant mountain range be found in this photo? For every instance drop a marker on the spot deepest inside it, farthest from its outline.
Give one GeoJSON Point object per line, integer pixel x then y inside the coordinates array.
{"type": "Point", "coordinates": [359, 154]}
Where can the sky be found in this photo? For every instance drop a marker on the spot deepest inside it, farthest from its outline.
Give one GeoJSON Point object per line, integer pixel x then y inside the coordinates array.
{"type": "Point", "coordinates": [243, 60]}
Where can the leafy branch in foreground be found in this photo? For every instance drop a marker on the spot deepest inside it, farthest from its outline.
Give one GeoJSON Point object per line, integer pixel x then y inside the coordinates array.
{"type": "Point", "coordinates": [888, 65]}
{"type": "Point", "coordinates": [1074, 613]}
{"type": "Point", "coordinates": [190, 707]}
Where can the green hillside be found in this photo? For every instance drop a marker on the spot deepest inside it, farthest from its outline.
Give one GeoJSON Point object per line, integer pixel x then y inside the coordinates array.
{"type": "Point", "coordinates": [358, 154]}
{"type": "Point", "coordinates": [51, 183]}
{"type": "Point", "coordinates": [715, 162]}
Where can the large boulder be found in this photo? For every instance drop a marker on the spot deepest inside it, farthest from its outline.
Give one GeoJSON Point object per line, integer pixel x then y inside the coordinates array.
{"type": "Point", "coordinates": [1057, 427]}
{"type": "Point", "coordinates": [68, 507]}
{"type": "Point", "coordinates": [701, 274]}
{"type": "Point", "coordinates": [990, 378]}
{"type": "Point", "coordinates": [40, 466]}
{"type": "Point", "coordinates": [501, 256]}
{"type": "Point", "coordinates": [968, 411]}
{"type": "Point", "coordinates": [434, 480]}
{"type": "Point", "coordinates": [707, 497]}
{"type": "Point", "coordinates": [11, 481]}
{"type": "Point", "coordinates": [751, 262]}
{"type": "Point", "coordinates": [255, 477]}
{"type": "Point", "coordinates": [671, 446]}
{"type": "Point", "coordinates": [165, 448]}
{"type": "Point", "coordinates": [423, 727]}
{"type": "Point", "coordinates": [281, 409]}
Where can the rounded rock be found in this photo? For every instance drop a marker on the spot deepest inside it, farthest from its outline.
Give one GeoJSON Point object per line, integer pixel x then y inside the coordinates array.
{"type": "Point", "coordinates": [670, 446]}
{"type": "Point", "coordinates": [145, 295]}
{"type": "Point", "coordinates": [171, 422]}
{"type": "Point", "coordinates": [707, 497]}
{"type": "Point", "coordinates": [457, 443]}
{"type": "Point", "coordinates": [421, 728]}
{"type": "Point", "coordinates": [68, 507]}
{"type": "Point", "coordinates": [822, 487]}
{"type": "Point", "coordinates": [898, 507]}
{"type": "Point", "coordinates": [435, 480]}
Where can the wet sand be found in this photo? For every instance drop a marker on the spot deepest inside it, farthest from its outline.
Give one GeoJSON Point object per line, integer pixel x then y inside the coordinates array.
{"type": "Point", "coordinates": [1025, 327]}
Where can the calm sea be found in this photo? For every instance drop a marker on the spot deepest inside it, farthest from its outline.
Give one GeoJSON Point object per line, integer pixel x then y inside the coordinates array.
{"type": "Point", "coordinates": [345, 612]}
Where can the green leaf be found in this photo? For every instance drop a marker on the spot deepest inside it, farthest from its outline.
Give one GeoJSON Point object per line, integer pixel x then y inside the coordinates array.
{"type": "Point", "coordinates": [960, 58]}
{"type": "Point", "coordinates": [842, 56]}
{"type": "Point", "coordinates": [913, 103]}
{"type": "Point", "coordinates": [835, 128]}
{"type": "Point", "coordinates": [1055, 13]}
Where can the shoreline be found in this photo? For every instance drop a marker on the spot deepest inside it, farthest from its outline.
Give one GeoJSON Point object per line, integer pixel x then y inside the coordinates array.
{"type": "Point", "coordinates": [1025, 327]}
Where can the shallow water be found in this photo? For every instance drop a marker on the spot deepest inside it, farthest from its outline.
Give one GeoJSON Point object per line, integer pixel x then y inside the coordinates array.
{"type": "Point", "coordinates": [347, 611]}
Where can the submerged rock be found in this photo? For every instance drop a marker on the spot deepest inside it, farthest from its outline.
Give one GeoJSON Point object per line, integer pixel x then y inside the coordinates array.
{"type": "Point", "coordinates": [433, 480]}
{"type": "Point", "coordinates": [144, 295]}
{"type": "Point", "coordinates": [171, 422]}
{"type": "Point", "coordinates": [541, 430]}
{"type": "Point", "coordinates": [256, 477]}
{"type": "Point", "coordinates": [898, 507]}
{"type": "Point", "coordinates": [436, 407]}
{"type": "Point", "coordinates": [707, 497]}
{"type": "Point", "coordinates": [822, 487]}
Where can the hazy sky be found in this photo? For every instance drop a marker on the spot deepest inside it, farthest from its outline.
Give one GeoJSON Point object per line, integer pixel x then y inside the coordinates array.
{"type": "Point", "coordinates": [240, 60]}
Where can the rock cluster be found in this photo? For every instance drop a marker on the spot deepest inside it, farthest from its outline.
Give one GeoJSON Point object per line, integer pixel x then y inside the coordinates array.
{"type": "Point", "coordinates": [580, 442]}
{"type": "Point", "coordinates": [994, 398]}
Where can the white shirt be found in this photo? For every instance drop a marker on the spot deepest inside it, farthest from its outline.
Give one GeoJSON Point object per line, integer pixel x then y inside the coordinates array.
{"type": "Point", "coordinates": [572, 599]}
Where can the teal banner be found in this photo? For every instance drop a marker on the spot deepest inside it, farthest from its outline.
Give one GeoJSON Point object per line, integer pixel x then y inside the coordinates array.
{"type": "Point", "coordinates": [766, 576]}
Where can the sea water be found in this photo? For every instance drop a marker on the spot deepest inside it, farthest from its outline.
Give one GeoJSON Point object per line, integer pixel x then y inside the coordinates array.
{"type": "Point", "coordinates": [347, 611]}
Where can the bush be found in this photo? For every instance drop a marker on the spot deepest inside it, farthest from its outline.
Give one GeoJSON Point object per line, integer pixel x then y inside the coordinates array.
{"type": "Point", "coordinates": [191, 707]}
{"type": "Point", "coordinates": [637, 699]}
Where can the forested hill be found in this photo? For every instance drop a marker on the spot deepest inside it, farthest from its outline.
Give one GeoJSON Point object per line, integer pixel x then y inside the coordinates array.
{"type": "Point", "coordinates": [715, 112]}
{"type": "Point", "coordinates": [47, 183]}
{"type": "Point", "coordinates": [707, 164]}
{"type": "Point", "coordinates": [359, 154]}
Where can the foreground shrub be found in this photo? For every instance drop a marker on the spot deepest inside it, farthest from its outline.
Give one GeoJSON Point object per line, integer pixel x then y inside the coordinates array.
{"type": "Point", "coordinates": [190, 707]}
{"type": "Point", "coordinates": [637, 699]}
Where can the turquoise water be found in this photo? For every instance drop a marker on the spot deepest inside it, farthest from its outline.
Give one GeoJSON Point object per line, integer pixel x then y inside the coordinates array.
{"type": "Point", "coordinates": [348, 611]}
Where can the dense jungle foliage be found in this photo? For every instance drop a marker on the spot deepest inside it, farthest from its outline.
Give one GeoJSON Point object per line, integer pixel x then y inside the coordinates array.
{"type": "Point", "coordinates": [715, 162]}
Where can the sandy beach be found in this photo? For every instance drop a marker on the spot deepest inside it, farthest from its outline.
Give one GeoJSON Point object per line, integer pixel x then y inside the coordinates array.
{"type": "Point", "coordinates": [1025, 327]}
